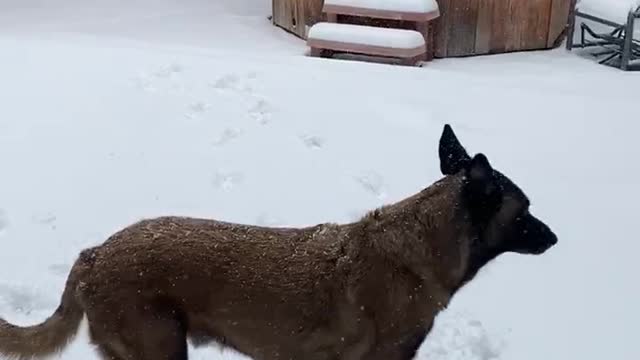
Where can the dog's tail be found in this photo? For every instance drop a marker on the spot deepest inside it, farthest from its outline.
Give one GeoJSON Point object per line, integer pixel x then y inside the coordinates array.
{"type": "Point", "coordinates": [58, 330]}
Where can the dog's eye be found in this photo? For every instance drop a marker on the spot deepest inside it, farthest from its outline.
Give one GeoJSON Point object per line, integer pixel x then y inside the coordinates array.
{"type": "Point", "coordinates": [521, 217]}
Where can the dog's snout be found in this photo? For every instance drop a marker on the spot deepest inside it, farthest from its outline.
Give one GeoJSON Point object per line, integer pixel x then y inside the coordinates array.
{"type": "Point", "coordinates": [545, 232]}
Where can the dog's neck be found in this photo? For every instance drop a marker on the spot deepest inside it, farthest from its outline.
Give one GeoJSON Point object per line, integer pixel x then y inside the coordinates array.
{"type": "Point", "coordinates": [426, 233]}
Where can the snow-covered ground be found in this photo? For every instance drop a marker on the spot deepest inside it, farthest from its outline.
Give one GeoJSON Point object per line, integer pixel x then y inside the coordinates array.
{"type": "Point", "coordinates": [114, 110]}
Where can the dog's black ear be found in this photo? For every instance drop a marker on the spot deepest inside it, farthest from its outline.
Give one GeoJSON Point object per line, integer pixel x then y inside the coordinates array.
{"type": "Point", "coordinates": [480, 175]}
{"type": "Point", "coordinates": [480, 169]}
{"type": "Point", "coordinates": [453, 156]}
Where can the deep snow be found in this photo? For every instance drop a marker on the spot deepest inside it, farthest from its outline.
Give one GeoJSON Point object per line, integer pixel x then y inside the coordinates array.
{"type": "Point", "coordinates": [115, 110]}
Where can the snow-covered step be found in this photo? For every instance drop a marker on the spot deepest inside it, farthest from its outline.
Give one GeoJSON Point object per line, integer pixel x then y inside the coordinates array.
{"type": "Point", "coordinates": [367, 35]}
{"type": "Point", "coordinates": [401, 9]}
{"type": "Point", "coordinates": [370, 40]}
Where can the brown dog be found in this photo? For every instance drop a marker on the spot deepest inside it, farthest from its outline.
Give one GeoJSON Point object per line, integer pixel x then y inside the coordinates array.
{"type": "Point", "coordinates": [365, 290]}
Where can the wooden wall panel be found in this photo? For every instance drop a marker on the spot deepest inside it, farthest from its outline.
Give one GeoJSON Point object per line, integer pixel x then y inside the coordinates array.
{"type": "Point", "coordinates": [442, 28]}
{"type": "Point", "coordinates": [313, 11]}
{"type": "Point", "coordinates": [512, 19]}
{"type": "Point", "coordinates": [499, 26]}
{"type": "Point", "coordinates": [302, 9]}
{"type": "Point", "coordinates": [485, 22]}
{"type": "Point", "coordinates": [280, 11]}
{"type": "Point", "coordinates": [291, 15]}
{"type": "Point", "coordinates": [535, 30]}
{"type": "Point", "coordinates": [558, 20]}
{"type": "Point", "coordinates": [462, 27]}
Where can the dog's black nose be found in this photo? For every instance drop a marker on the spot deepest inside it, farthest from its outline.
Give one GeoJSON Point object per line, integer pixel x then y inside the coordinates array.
{"type": "Point", "coordinates": [553, 239]}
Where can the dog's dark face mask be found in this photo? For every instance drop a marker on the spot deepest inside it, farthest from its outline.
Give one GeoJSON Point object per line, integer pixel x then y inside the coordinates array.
{"type": "Point", "coordinates": [498, 209]}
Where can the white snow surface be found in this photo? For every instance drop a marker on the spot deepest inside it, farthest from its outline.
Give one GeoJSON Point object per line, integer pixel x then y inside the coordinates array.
{"type": "Point", "coordinates": [614, 10]}
{"type": "Point", "coordinates": [113, 110]}
{"type": "Point", "coordinates": [367, 35]}
{"type": "Point", "coordinates": [413, 6]}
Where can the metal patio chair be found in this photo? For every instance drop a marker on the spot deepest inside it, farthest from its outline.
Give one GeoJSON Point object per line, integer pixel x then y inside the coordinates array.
{"type": "Point", "coordinates": [618, 47]}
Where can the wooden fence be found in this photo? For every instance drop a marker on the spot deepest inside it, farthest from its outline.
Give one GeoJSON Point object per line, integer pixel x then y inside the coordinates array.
{"type": "Point", "coordinates": [465, 27]}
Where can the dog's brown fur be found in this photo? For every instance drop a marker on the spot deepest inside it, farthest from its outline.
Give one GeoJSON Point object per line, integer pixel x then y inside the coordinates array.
{"type": "Point", "coordinates": [365, 290]}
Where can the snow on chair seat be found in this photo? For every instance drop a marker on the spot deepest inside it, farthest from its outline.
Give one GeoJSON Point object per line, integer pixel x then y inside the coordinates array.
{"type": "Point", "coordinates": [410, 10]}
{"type": "Point", "coordinates": [370, 40]}
{"type": "Point", "coordinates": [614, 10]}
{"type": "Point", "coordinates": [620, 43]}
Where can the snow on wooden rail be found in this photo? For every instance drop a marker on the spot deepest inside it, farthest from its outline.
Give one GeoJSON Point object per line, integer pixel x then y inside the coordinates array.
{"type": "Point", "coordinates": [406, 6]}
{"type": "Point", "coordinates": [405, 10]}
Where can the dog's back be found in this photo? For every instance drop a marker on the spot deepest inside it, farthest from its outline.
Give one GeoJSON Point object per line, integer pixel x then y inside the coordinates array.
{"type": "Point", "coordinates": [224, 282]}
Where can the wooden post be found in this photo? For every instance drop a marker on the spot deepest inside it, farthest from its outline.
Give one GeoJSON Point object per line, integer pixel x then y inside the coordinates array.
{"type": "Point", "coordinates": [571, 25]}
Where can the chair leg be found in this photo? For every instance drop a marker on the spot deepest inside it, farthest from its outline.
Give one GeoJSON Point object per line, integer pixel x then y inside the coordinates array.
{"type": "Point", "coordinates": [571, 26]}
{"type": "Point", "coordinates": [628, 42]}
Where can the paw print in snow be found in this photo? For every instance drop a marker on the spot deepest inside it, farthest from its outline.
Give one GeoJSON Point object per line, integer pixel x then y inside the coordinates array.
{"type": "Point", "coordinates": [261, 112]}
{"type": "Point", "coordinates": [233, 82]}
{"type": "Point", "coordinates": [226, 136]}
{"type": "Point", "coordinates": [45, 219]}
{"type": "Point", "coordinates": [197, 108]}
{"type": "Point", "coordinates": [169, 71]}
{"type": "Point", "coordinates": [145, 84]}
{"type": "Point", "coordinates": [373, 183]}
{"type": "Point", "coordinates": [227, 82]}
{"type": "Point", "coordinates": [48, 219]}
{"type": "Point", "coordinates": [151, 82]}
{"type": "Point", "coordinates": [226, 181]}
{"type": "Point", "coordinates": [313, 142]}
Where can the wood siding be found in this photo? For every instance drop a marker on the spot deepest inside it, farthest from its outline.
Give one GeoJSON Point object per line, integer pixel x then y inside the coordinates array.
{"type": "Point", "coordinates": [477, 27]}
{"type": "Point", "coordinates": [296, 15]}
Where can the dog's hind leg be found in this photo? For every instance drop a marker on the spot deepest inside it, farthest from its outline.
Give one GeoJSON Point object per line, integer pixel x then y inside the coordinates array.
{"type": "Point", "coordinates": [150, 333]}
{"type": "Point", "coordinates": [107, 345]}
{"type": "Point", "coordinates": [108, 352]}
{"type": "Point", "coordinates": [165, 339]}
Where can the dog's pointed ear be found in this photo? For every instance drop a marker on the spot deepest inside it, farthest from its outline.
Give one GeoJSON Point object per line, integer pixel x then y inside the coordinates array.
{"type": "Point", "coordinates": [453, 156]}
{"type": "Point", "coordinates": [481, 177]}
{"type": "Point", "coordinates": [480, 169]}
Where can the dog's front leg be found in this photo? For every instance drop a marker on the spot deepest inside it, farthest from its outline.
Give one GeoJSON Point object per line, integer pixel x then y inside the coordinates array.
{"type": "Point", "coordinates": [404, 349]}
{"type": "Point", "coordinates": [358, 348]}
